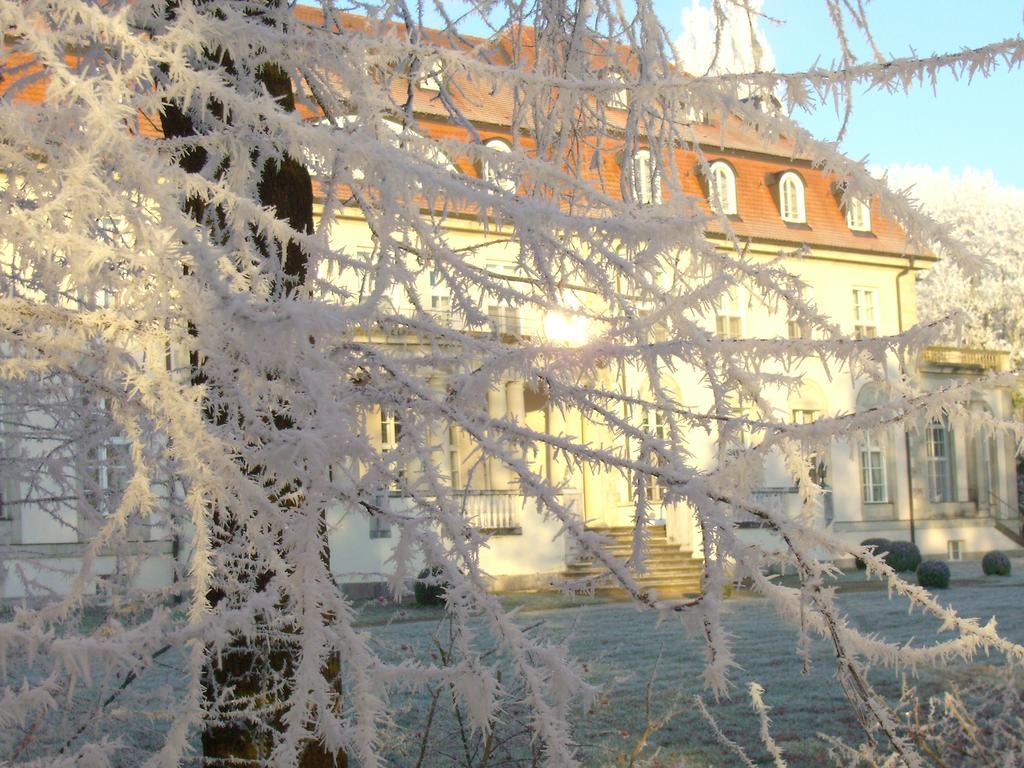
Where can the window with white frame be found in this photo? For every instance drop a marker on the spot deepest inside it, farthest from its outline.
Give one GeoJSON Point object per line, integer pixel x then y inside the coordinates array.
{"type": "Point", "coordinates": [652, 422]}
{"type": "Point", "coordinates": [109, 464]}
{"type": "Point", "coordinates": [380, 528]}
{"type": "Point", "coordinates": [504, 316]}
{"type": "Point", "coordinates": [619, 98]}
{"type": "Point", "coordinates": [865, 313]}
{"type": "Point", "coordinates": [431, 76]}
{"type": "Point", "coordinates": [390, 437]}
{"type": "Point", "coordinates": [858, 215]}
{"type": "Point", "coordinates": [805, 416]}
{"type": "Point", "coordinates": [801, 329]}
{"type": "Point", "coordinates": [940, 477]}
{"type": "Point", "coordinates": [874, 485]}
{"type": "Point", "coordinates": [740, 435]}
{"type": "Point", "coordinates": [495, 169]}
{"type": "Point", "coordinates": [791, 198]}
{"type": "Point", "coordinates": [440, 297]}
{"type": "Point", "coordinates": [729, 314]}
{"type": "Point", "coordinates": [818, 469]}
{"type": "Point", "coordinates": [9, 489]}
{"type": "Point", "coordinates": [722, 188]}
{"type": "Point", "coordinates": [390, 429]}
{"type": "Point", "coordinates": [645, 183]}
{"type": "Point", "coordinates": [955, 549]}
{"type": "Point", "coordinates": [454, 457]}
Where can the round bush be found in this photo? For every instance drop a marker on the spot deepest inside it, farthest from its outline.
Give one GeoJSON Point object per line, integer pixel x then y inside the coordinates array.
{"type": "Point", "coordinates": [933, 574]}
{"type": "Point", "coordinates": [995, 563]}
{"type": "Point", "coordinates": [880, 545]}
{"type": "Point", "coordinates": [429, 589]}
{"type": "Point", "coordinates": [903, 556]}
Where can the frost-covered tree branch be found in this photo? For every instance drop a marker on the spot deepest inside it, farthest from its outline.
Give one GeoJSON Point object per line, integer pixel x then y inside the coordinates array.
{"type": "Point", "coordinates": [185, 363]}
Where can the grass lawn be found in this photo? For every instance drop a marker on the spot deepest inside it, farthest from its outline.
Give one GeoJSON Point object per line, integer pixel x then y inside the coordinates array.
{"type": "Point", "coordinates": [618, 645]}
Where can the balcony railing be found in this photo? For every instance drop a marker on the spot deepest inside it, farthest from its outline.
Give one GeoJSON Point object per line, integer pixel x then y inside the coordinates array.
{"type": "Point", "coordinates": [505, 321]}
{"type": "Point", "coordinates": [966, 358]}
{"type": "Point", "coordinates": [781, 501]}
{"type": "Point", "coordinates": [496, 511]}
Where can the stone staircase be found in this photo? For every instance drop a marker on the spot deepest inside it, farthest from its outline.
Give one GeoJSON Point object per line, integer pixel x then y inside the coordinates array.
{"type": "Point", "coordinates": [670, 572]}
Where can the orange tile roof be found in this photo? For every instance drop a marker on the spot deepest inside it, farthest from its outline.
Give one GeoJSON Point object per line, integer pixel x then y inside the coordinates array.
{"type": "Point", "coordinates": [756, 163]}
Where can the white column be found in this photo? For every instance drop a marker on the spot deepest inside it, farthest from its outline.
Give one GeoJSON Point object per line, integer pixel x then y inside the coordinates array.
{"type": "Point", "coordinates": [438, 435]}
{"type": "Point", "coordinates": [500, 475]}
{"type": "Point", "coordinates": [516, 400]}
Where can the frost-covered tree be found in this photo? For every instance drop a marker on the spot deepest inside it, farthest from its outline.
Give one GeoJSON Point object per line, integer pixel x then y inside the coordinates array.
{"type": "Point", "coordinates": [990, 217]}
{"type": "Point", "coordinates": [190, 355]}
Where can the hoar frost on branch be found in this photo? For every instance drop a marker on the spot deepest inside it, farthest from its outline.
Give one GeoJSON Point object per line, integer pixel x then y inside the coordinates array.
{"type": "Point", "coordinates": [990, 216]}
{"type": "Point", "coordinates": [154, 300]}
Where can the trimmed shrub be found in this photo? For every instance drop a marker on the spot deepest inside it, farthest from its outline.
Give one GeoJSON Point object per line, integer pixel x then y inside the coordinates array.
{"type": "Point", "coordinates": [880, 545]}
{"type": "Point", "coordinates": [933, 574]}
{"type": "Point", "coordinates": [902, 556]}
{"type": "Point", "coordinates": [429, 589]}
{"type": "Point", "coordinates": [995, 563]}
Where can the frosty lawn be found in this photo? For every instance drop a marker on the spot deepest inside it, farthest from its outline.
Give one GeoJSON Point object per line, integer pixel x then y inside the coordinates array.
{"type": "Point", "coordinates": [619, 646]}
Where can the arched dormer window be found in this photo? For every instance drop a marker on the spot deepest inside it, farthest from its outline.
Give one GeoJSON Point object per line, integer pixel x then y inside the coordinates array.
{"type": "Point", "coordinates": [618, 99]}
{"type": "Point", "coordinates": [431, 76]}
{"type": "Point", "coordinates": [791, 198]}
{"type": "Point", "coordinates": [722, 188]}
{"type": "Point", "coordinates": [858, 215]}
{"type": "Point", "coordinates": [494, 170]}
{"type": "Point", "coordinates": [644, 178]}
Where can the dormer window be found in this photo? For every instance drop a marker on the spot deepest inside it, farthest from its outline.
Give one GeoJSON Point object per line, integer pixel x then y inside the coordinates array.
{"type": "Point", "coordinates": [791, 198]}
{"type": "Point", "coordinates": [431, 80]}
{"type": "Point", "coordinates": [858, 215]}
{"type": "Point", "coordinates": [494, 170]}
{"type": "Point", "coordinates": [619, 99]}
{"type": "Point", "coordinates": [722, 188]}
{"type": "Point", "coordinates": [644, 177]}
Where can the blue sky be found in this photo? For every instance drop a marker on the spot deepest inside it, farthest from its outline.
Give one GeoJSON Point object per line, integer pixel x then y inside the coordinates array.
{"type": "Point", "coordinates": [978, 124]}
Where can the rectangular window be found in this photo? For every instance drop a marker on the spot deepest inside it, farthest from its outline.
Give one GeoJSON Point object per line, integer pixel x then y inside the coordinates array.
{"type": "Point", "coordinates": [109, 465]}
{"type": "Point", "coordinates": [955, 548]}
{"type": "Point", "coordinates": [804, 416]}
{"type": "Point", "coordinates": [653, 423]}
{"type": "Point", "coordinates": [801, 329]}
{"type": "Point", "coordinates": [440, 298]}
{"type": "Point", "coordinates": [740, 437]}
{"type": "Point", "coordinates": [858, 215]}
{"type": "Point", "coordinates": [390, 435]}
{"type": "Point", "coordinates": [454, 457]}
{"type": "Point", "coordinates": [379, 528]}
{"type": "Point", "coordinates": [865, 313]}
{"type": "Point", "coordinates": [729, 314]}
{"type": "Point", "coordinates": [652, 489]}
{"type": "Point", "coordinates": [874, 489]}
{"type": "Point", "coordinates": [940, 486]}
{"type": "Point", "coordinates": [390, 429]}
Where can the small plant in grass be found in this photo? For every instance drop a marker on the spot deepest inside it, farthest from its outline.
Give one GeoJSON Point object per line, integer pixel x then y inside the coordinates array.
{"type": "Point", "coordinates": [880, 546]}
{"type": "Point", "coordinates": [995, 563]}
{"type": "Point", "coordinates": [933, 574]}
{"type": "Point", "coordinates": [903, 556]}
{"type": "Point", "coordinates": [429, 588]}
{"type": "Point", "coordinates": [977, 724]}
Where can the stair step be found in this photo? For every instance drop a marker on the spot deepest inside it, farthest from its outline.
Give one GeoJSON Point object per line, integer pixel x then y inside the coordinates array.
{"type": "Point", "coordinates": [673, 570]}
{"type": "Point", "coordinates": [669, 571]}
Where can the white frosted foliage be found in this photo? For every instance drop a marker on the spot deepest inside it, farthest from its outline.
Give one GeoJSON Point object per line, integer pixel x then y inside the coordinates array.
{"type": "Point", "coordinates": [164, 352]}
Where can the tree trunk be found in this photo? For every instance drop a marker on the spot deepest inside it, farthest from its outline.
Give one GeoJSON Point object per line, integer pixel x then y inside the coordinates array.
{"type": "Point", "coordinates": [240, 681]}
